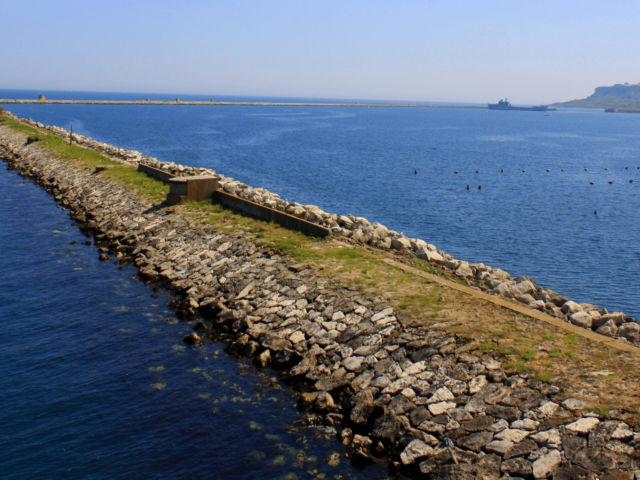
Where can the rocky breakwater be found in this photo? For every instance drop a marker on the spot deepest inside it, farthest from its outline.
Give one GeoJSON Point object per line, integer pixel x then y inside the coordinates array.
{"type": "Point", "coordinates": [430, 403]}
{"type": "Point", "coordinates": [490, 280]}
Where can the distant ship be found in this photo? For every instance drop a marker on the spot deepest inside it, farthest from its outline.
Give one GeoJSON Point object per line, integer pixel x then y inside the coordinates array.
{"type": "Point", "coordinates": [505, 105]}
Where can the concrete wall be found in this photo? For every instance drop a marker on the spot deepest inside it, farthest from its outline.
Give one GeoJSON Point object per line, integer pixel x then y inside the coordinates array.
{"type": "Point", "coordinates": [156, 173]}
{"type": "Point", "coordinates": [270, 215]}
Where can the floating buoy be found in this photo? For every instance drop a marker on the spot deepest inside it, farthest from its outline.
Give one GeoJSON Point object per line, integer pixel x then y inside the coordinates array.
{"type": "Point", "coordinates": [626, 168]}
{"type": "Point", "coordinates": [562, 169]}
{"type": "Point", "coordinates": [523, 171]}
{"type": "Point", "coordinates": [605, 168]}
{"type": "Point", "coordinates": [415, 172]}
{"type": "Point", "coordinates": [590, 183]}
{"type": "Point", "coordinates": [479, 187]}
{"type": "Point", "coordinates": [455, 171]}
{"type": "Point", "coordinates": [477, 171]}
{"type": "Point", "coordinates": [502, 170]}
{"type": "Point", "coordinates": [585, 169]}
{"type": "Point", "coordinates": [547, 169]}
{"type": "Point", "coordinates": [467, 187]}
{"type": "Point", "coordinates": [595, 212]}
{"type": "Point", "coordinates": [610, 182]}
{"type": "Point", "coordinates": [630, 181]}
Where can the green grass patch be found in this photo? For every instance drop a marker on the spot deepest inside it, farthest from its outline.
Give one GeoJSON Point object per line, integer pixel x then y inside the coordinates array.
{"type": "Point", "coordinates": [486, 346]}
{"type": "Point", "coordinates": [515, 365]}
{"type": "Point", "coordinates": [527, 355]}
{"type": "Point", "coordinates": [555, 353]}
{"type": "Point", "coordinates": [570, 339]}
{"type": "Point", "coordinates": [544, 376]}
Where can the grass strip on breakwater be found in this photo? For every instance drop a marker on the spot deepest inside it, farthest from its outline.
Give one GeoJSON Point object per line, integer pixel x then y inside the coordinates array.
{"type": "Point", "coordinates": [524, 343]}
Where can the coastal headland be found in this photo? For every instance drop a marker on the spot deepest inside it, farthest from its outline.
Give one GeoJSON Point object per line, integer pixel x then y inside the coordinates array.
{"type": "Point", "coordinates": [390, 341]}
{"type": "Point", "coordinates": [212, 103]}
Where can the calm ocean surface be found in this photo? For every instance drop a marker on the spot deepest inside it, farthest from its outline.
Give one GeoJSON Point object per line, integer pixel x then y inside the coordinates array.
{"type": "Point", "coordinates": [95, 383]}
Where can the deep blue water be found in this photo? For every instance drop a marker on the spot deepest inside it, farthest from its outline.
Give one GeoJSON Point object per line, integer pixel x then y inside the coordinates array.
{"type": "Point", "coordinates": [95, 383]}
{"type": "Point", "coordinates": [362, 161]}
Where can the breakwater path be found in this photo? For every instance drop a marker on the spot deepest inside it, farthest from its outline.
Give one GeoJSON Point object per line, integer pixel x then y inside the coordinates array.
{"type": "Point", "coordinates": [212, 103]}
{"type": "Point", "coordinates": [426, 396]}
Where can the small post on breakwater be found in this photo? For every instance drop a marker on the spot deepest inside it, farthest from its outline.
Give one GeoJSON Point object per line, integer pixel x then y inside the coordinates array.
{"type": "Point", "coordinates": [71, 135]}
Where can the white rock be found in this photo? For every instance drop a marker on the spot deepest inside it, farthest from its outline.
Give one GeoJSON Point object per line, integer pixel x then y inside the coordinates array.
{"type": "Point", "coordinates": [512, 434]}
{"type": "Point", "coordinates": [399, 385]}
{"type": "Point", "coordinates": [409, 393]}
{"type": "Point", "coordinates": [571, 307]}
{"type": "Point", "coordinates": [384, 313]}
{"type": "Point", "coordinates": [499, 426]}
{"type": "Point", "coordinates": [296, 337]}
{"type": "Point", "coordinates": [416, 449]}
{"type": "Point", "coordinates": [548, 408]}
{"type": "Point", "coordinates": [440, 408]}
{"type": "Point", "coordinates": [414, 369]}
{"type": "Point", "coordinates": [622, 432]}
{"type": "Point", "coordinates": [545, 466]}
{"type": "Point", "coordinates": [352, 363]}
{"type": "Point", "coordinates": [584, 425]}
{"type": "Point", "coordinates": [526, 424]}
{"type": "Point", "coordinates": [573, 404]}
{"type": "Point", "coordinates": [441, 395]}
{"type": "Point", "coordinates": [499, 446]}
{"type": "Point", "coordinates": [478, 383]}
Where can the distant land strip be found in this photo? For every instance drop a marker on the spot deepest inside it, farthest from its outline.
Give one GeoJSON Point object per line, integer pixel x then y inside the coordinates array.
{"type": "Point", "coordinates": [259, 104]}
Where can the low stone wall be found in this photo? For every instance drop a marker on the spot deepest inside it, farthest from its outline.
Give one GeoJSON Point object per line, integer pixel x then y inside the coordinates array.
{"type": "Point", "coordinates": [156, 173]}
{"type": "Point", "coordinates": [270, 215]}
{"type": "Point", "coordinates": [491, 280]}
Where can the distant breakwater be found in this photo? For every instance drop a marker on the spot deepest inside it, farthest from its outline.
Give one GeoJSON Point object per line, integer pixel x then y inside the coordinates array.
{"type": "Point", "coordinates": [494, 281]}
{"type": "Point", "coordinates": [431, 402]}
{"type": "Point", "coordinates": [212, 103]}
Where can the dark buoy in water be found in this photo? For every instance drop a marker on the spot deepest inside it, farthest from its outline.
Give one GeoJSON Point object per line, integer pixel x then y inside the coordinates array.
{"type": "Point", "coordinates": [547, 169]}
{"type": "Point", "coordinates": [455, 171]}
{"type": "Point", "coordinates": [585, 169]}
{"type": "Point", "coordinates": [477, 171]}
{"type": "Point", "coordinates": [595, 212]}
{"type": "Point", "coordinates": [605, 168]}
{"type": "Point", "coordinates": [415, 172]}
{"type": "Point", "coordinates": [626, 168]}
{"type": "Point", "coordinates": [502, 170]}
{"type": "Point", "coordinates": [467, 187]}
{"type": "Point", "coordinates": [562, 169]}
{"type": "Point", "coordinates": [590, 183]}
{"type": "Point", "coordinates": [610, 182]}
{"type": "Point", "coordinates": [523, 171]}
{"type": "Point", "coordinates": [479, 187]}
{"type": "Point", "coordinates": [630, 181]}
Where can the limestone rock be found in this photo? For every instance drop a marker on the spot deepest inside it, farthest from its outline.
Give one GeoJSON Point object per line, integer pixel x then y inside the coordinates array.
{"type": "Point", "coordinates": [609, 329]}
{"type": "Point", "coordinates": [584, 425]}
{"type": "Point", "coordinates": [581, 319]}
{"type": "Point", "coordinates": [545, 466]}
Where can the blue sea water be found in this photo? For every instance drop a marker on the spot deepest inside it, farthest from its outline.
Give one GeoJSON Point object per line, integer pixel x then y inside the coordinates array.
{"type": "Point", "coordinates": [96, 384]}
{"type": "Point", "coordinates": [396, 166]}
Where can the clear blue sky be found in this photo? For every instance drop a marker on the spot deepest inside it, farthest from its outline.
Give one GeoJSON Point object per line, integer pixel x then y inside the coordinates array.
{"type": "Point", "coordinates": [450, 50]}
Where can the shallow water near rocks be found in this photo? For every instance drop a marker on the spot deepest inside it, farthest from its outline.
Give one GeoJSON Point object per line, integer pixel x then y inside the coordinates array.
{"type": "Point", "coordinates": [396, 166]}
{"type": "Point", "coordinates": [97, 384]}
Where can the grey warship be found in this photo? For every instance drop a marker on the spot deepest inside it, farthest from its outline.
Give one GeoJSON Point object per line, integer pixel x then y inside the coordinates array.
{"type": "Point", "coordinates": [505, 105]}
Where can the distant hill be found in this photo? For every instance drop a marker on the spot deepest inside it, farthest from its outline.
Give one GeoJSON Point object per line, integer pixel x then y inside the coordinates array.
{"type": "Point", "coordinates": [618, 96]}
